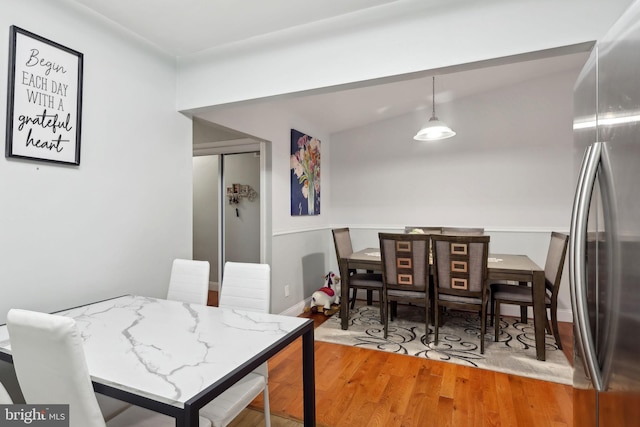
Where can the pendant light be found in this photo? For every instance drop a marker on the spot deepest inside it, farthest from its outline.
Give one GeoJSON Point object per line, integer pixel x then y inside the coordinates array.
{"type": "Point", "coordinates": [434, 129]}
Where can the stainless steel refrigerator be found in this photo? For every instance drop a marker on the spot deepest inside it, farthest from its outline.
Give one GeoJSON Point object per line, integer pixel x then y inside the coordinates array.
{"type": "Point", "coordinates": [604, 248]}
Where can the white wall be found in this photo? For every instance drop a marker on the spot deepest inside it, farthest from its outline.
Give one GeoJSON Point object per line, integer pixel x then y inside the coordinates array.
{"type": "Point", "coordinates": [516, 143]}
{"type": "Point", "coordinates": [406, 41]}
{"type": "Point", "coordinates": [145, 164]}
{"type": "Point", "coordinates": [510, 164]}
{"type": "Point", "coordinates": [509, 169]}
{"type": "Point", "coordinates": [412, 36]}
{"type": "Point", "coordinates": [72, 235]}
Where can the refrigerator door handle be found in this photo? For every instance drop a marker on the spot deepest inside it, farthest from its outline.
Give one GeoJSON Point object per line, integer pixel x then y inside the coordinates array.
{"type": "Point", "coordinates": [577, 266]}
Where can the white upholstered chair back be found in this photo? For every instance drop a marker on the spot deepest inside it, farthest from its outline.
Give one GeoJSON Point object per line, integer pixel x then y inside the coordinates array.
{"type": "Point", "coordinates": [51, 367]}
{"type": "Point", "coordinates": [189, 281]}
{"type": "Point", "coordinates": [50, 364]}
{"type": "Point", "coordinates": [246, 286]}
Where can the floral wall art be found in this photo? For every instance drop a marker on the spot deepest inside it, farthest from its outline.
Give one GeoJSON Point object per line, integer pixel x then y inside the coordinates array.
{"type": "Point", "coordinates": [305, 174]}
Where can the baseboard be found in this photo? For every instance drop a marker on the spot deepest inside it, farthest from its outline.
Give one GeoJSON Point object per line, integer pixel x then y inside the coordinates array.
{"type": "Point", "coordinates": [297, 309]}
{"type": "Point", "coordinates": [564, 315]}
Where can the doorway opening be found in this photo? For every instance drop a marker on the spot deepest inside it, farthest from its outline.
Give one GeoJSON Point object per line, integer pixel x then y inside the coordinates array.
{"type": "Point", "coordinates": [229, 202]}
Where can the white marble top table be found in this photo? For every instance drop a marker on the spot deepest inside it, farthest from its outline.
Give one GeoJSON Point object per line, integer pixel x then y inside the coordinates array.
{"type": "Point", "coordinates": [179, 356]}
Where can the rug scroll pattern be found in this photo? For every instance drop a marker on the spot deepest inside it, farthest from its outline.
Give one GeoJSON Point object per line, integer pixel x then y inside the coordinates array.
{"type": "Point", "coordinates": [459, 341]}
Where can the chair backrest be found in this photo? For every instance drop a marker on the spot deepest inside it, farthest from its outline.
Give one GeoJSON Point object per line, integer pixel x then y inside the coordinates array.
{"type": "Point", "coordinates": [50, 364]}
{"type": "Point", "coordinates": [425, 230]}
{"type": "Point", "coordinates": [460, 264]}
{"type": "Point", "coordinates": [246, 286]}
{"type": "Point", "coordinates": [405, 261]}
{"type": "Point", "coordinates": [554, 264]}
{"type": "Point", "coordinates": [189, 281]}
{"type": "Point", "coordinates": [461, 231]}
{"type": "Point", "coordinates": [342, 241]}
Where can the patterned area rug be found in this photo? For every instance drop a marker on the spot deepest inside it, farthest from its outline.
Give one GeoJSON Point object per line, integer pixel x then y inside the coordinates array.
{"type": "Point", "coordinates": [459, 341]}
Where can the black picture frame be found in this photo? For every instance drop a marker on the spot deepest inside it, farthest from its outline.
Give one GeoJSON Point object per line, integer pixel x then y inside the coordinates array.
{"type": "Point", "coordinates": [44, 99]}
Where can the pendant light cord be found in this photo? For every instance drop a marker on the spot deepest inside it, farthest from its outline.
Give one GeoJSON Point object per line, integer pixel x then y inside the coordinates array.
{"type": "Point", "coordinates": [433, 96]}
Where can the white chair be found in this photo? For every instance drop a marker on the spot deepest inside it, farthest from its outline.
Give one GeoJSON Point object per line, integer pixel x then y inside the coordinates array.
{"type": "Point", "coordinates": [189, 281]}
{"type": "Point", "coordinates": [50, 364]}
{"type": "Point", "coordinates": [109, 407]}
{"type": "Point", "coordinates": [245, 286]}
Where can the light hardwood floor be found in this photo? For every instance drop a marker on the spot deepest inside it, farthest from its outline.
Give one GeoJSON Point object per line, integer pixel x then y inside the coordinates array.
{"type": "Point", "coordinates": [360, 387]}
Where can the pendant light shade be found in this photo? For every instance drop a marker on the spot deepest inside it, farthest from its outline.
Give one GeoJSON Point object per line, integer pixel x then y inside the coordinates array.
{"type": "Point", "coordinates": [434, 129]}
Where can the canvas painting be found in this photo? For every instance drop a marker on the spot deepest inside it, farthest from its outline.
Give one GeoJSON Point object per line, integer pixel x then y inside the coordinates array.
{"type": "Point", "coordinates": [305, 174]}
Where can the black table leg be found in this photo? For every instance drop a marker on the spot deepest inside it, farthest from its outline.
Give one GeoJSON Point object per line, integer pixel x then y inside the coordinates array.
{"type": "Point", "coordinates": [308, 378]}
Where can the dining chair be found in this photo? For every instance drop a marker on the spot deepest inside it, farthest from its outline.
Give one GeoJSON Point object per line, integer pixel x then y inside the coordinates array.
{"type": "Point", "coordinates": [460, 276]}
{"type": "Point", "coordinates": [504, 293]}
{"type": "Point", "coordinates": [189, 281]}
{"type": "Point", "coordinates": [245, 286]}
{"type": "Point", "coordinates": [51, 368]}
{"type": "Point", "coordinates": [462, 231]}
{"type": "Point", "coordinates": [422, 230]}
{"type": "Point", "coordinates": [368, 281]}
{"type": "Point", "coordinates": [405, 272]}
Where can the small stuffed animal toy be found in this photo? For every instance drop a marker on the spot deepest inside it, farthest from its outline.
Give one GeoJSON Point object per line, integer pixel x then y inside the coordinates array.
{"type": "Point", "coordinates": [327, 296]}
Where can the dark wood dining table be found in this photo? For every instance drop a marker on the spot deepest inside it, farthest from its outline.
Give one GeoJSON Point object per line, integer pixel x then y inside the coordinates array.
{"type": "Point", "coordinates": [519, 268]}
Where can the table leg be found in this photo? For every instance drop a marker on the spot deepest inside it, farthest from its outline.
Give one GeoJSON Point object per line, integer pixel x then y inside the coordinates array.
{"type": "Point", "coordinates": [344, 297]}
{"type": "Point", "coordinates": [539, 315]}
{"type": "Point", "coordinates": [191, 417]}
{"type": "Point", "coordinates": [308, 379]}
{"type": "Point", "coordinates": [369, 292]}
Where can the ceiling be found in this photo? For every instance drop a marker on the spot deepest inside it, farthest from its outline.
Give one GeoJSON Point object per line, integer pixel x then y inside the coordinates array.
{"type": "Point", "coordinates": [343, 109]}
{"type": "Point", "coordinates": [184, 27]}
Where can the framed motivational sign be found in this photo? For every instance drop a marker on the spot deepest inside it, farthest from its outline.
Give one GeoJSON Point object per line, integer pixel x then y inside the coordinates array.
{"type": "Point", "coordinates": [44, 102]}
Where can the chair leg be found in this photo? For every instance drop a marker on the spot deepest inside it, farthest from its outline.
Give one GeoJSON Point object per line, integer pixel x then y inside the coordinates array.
{"type": "Point", "coordinates": [497, 320]}
{"type": "Point", "coordinates": [386, 317]}
{"type": "Point", "coordinates": [493, 308]}
{"type": "Point", "coordinates": [369, 297]}
{"type": "Point", "coordinates": [487, 312]}
{"type": "Point", "coordinates": [267, 410]}
{"type": "Point", "coordinates": [381, 306]}
{"type": "Point", "coordinates": [426, 320]}
{"type": "Point", "coordinates": [483, 326]}
{"type": "Point", "coordinates": [556, 330]}
{"type": "Point", "coordinates": [437, 324]}
{"type": "Point", "coordinates": [353, 300]}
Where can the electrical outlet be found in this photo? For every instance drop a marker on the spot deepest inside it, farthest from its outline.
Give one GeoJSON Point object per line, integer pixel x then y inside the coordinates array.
{"type": "Point", "coordinates": [286, 290]}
